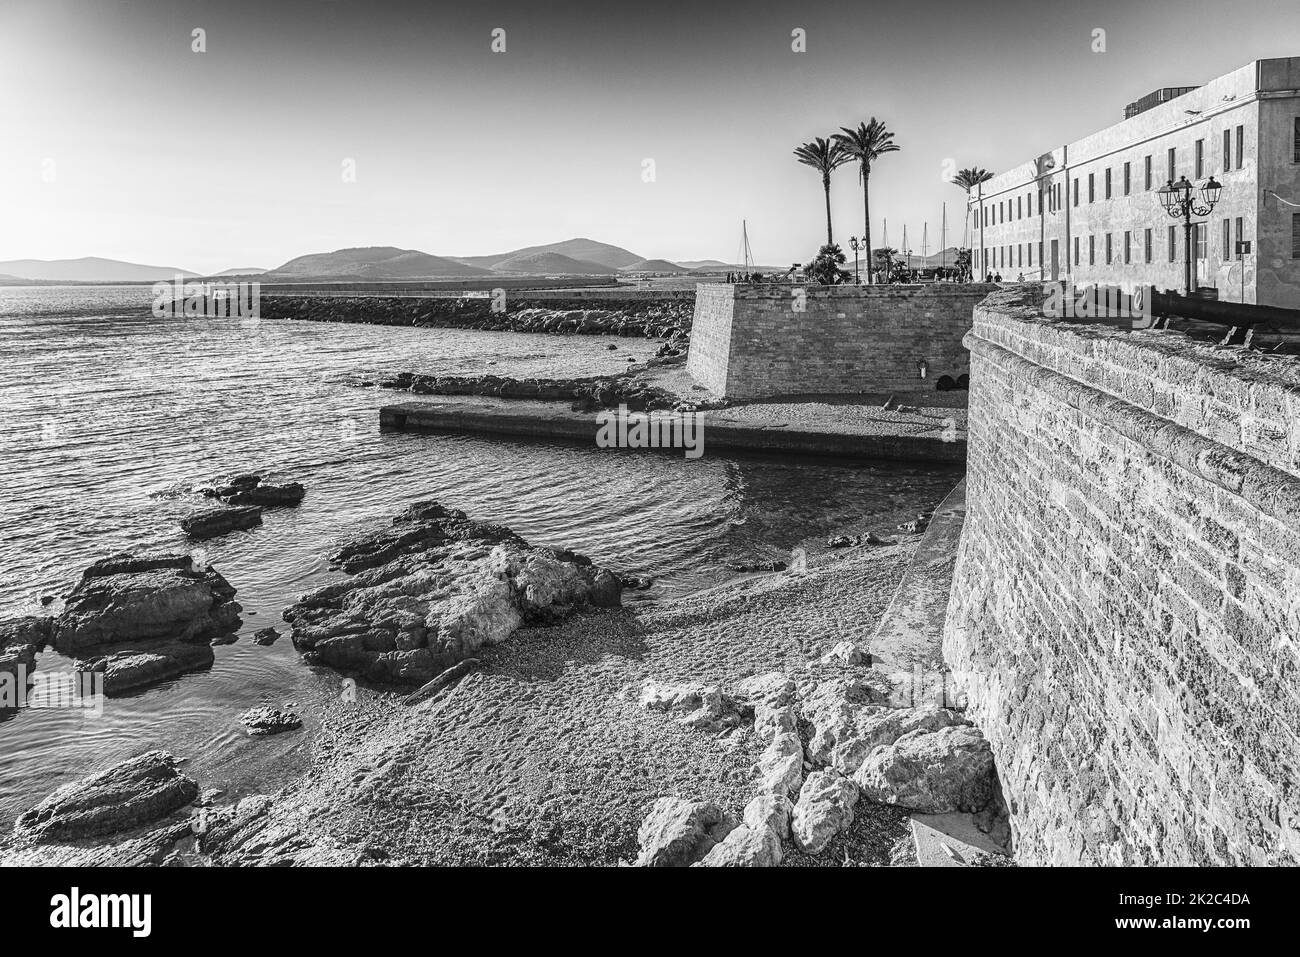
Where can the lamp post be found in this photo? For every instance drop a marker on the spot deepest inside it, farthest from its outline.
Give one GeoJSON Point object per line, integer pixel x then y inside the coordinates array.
{"type": "Point", "coordinates": [855, 244]}
{"type": "Point", "coordinates": [1179, 201]}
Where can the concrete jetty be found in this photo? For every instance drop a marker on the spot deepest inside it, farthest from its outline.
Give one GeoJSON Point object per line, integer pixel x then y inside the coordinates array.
{"type": "Point", "coordinates": [729, 429]}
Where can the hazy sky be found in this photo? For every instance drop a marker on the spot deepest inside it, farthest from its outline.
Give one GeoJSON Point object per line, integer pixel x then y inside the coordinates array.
{"type": "Point", "coordinates": [117, 140]}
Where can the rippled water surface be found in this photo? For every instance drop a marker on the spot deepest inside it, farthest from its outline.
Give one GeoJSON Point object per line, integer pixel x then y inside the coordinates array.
{"type": "Point", "coordinates": [111, 418]}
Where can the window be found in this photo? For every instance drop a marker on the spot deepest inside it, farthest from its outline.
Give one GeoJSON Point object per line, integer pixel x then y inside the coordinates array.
{"type": "Point", "coordinates": [1092, 250]}
{"type": "Point", "coordinates": [1241, 145]}
{"type": "Point", "coordinates": [1202, 239]}
{"type": "Point", "coordinates": [1146, 172]}
{"type": "Point", "coordinates": [1020, 254]}
{"type": "Point", "coordinates": [1239, 236]}
{"type": "Point", "coordinates": [1128, 247]}
{"type": "Point", "coordinates": [1296, 158]}
{"type": "Point", "coordinates": [1200, 159]}
{"type": "Point", "coordinates": [1092, 187]}
{"type": "Point", "coordinates": [1029, 204]}
{"type": "Point", "coordinates": [1128, 178]}
{"type": "Point", "coordinates": [1173, 244]}
{"type": "Point", "coordinates": [1227, 238]}
{"type": "Point", "coordinates": [1146, 245]}
{"type": "Point", "coordinates": [1173, 163]}
{"type": "Point", "coordinates": [1057, 191]}
{"type": "Point", "coordinates": [1076, 191]}
{"type": "Point", "coordinates": [1029, 252]}
{"type": "Point", "coordinates": [1020, 208]}
{"type": "Point", "coordinates": [1109, 251]}
{"type": "Point", "coordinates": [1108, 192]}
{"type": "Point", "coordinates": [1076, 250]}
{"type": "Point", "coordinates": [1040, 252]}
{"type": "Point", "coordinates": [1227, 150]}
{"type": "Point", "coordinates": [1295, 235]}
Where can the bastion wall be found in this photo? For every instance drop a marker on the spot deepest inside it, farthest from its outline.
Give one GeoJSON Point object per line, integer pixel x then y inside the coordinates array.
{"type": "Point", "coordinates": [758, 341]}
{"type": "Point", "coordinates": [1126, 603]}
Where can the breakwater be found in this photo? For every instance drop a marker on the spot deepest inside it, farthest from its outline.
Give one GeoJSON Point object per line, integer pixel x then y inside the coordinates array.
{"type": "Point", "coordinates": [650, 315]}
{"type": "Point", "coordinates": [1127, 593]}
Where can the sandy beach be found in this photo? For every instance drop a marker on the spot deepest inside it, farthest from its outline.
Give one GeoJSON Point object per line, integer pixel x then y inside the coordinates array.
{"type": "Point", "coordinates": [544, 756]}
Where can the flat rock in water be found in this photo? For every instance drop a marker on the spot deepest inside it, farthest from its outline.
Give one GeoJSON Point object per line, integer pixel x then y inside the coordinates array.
{"type": "Point", "coordinates": [265, 636]}
{"type": "Point", "coordinates": [434, 587]}
{"type": "Point", "coordinates": [130, 669]}
{"type": "Point", "coordinates": [130, 794]}
{"type": "Point", "coordinates": [263, 721]}
{"type": "Point", "coordinates": [211, 522]}
{"type": "Point", "coordinates": [129, 599]}
{"type": "Point", "coordinates": [268, 495]}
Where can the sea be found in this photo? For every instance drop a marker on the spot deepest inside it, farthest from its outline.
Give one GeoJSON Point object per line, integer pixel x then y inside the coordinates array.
{"type": "Point", "coordinates": [112, 418]}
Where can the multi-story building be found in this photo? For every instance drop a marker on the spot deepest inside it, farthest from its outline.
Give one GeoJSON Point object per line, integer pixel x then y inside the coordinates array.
{"type": "Point", "coordinates": [1089, 211]}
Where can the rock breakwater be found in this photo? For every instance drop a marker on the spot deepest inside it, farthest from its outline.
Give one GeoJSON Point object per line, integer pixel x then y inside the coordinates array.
{"type": "Point", "coordinates": [668, 319]}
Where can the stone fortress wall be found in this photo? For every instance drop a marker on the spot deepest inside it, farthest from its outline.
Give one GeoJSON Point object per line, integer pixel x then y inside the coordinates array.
{"type": "Point", "coordinates": [760, 341]}
{"type": "Point", "coordinates": [1125, 613]}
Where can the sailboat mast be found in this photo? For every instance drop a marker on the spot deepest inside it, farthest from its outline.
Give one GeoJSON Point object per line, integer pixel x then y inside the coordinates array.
{"type": "Point", "coordinates": [943, 239]}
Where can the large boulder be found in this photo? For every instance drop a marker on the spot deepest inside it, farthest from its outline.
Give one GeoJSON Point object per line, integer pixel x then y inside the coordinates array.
{"type": "Point", "coordinates": [135, 792]}
{"type": "Point", "coordinates": [20, 640]}
{"type": "Point", "coordinates": [876, 727]}
{"type": "Point", "coordinates": [934, 772]}
{"type": "Point", "coordinates": [130, 598]}
{"type": "Point", "coordinates": [771, 811]}
{"type": "Point", "coordinates": [824, 808]}
{"type": "Point", "coordinates": [780, 766]}
{"type": "Point", "coordinates": [678, 832]}
{"type": "Point", "coordinates": [432, 589]}
{"type": "Point", "coordinates": [745, 846]}
{"type": "Point", "coordinates": [832, 707]}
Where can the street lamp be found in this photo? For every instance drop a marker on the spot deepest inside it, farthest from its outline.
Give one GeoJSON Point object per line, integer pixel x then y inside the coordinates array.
{"type": "Point", "coordinates": [855, 244]}
{"type": "Point", "coordinates": [1179, 201]}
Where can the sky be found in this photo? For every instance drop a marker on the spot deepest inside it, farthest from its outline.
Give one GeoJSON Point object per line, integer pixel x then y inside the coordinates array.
{"type": "Point", "coordinates": [653, 126]}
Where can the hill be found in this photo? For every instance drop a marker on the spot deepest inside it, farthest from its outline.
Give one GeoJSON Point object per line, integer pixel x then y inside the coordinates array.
{"type": "Point", "coordinates": [89, 269]}
{"type": "Point", "coordinates": [551, 264]}
{"type": "Point", "coordinates": [370, 263]}
{"type": "Point", "coordinates": [248, 271]}
{"type": "Point", "coordinates": [654, 265]}
{"type": "Point", "coordinates": [705, 264]}
{"type": "Point", "coordinates": [583, 250]}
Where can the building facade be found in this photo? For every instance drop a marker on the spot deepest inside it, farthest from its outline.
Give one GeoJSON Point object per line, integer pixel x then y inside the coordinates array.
{"type": "Point", "coordinates": [1089, 211]}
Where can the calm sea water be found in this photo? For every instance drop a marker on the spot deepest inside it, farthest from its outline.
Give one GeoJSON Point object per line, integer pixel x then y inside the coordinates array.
{"type": "Point", "coordinates": [112, 417]}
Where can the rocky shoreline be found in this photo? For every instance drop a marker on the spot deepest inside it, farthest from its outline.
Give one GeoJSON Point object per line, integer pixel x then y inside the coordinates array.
{"type": "Point", "coordinates": [730, 728]}
{"type": "Point", "coordinates": [650, 318]}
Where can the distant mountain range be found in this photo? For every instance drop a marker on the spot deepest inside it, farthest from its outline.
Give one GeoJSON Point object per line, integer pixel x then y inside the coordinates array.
{"type": "Point", "coordinates": [246, 271]}
{"type": "Point", "coordinates": [571, 257]}
{"type": "Point", "coordinates": [585, 251]}
{"type": "Point", "coordinates": [88, 269]}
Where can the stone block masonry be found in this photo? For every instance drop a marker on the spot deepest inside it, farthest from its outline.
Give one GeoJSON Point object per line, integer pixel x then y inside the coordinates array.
{"type": "Point", "coordinates": [1126, 603]}
{"type": "Point", "coordinates": [762, 341]}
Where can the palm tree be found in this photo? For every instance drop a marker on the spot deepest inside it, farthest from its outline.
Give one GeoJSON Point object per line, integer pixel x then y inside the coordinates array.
{"type": "Point", "coordinates": [823, 156]}
{"type": "Point", "coordinates": [968, 179]}
{"type": "Point", "coordinates": [865, 144]}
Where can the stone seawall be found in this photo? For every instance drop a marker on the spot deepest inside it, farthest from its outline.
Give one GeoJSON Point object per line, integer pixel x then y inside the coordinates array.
{"type": "Point", "coordinates": [759, 341]}
{"type": "Point", "coordinates": [1126, 604]}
